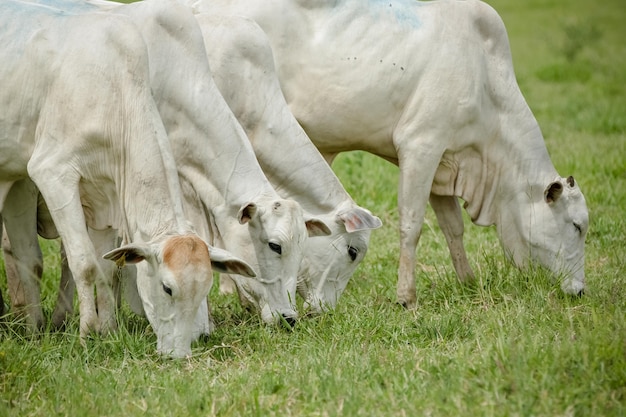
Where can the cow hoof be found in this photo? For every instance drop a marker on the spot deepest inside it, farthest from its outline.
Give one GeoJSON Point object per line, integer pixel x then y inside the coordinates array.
{"type": "Point", "coordinates": [290, 321]}
{"type": "Point", "coordinates": [204, 338]}
{"type": "Point", "coordinates": [580, 293]}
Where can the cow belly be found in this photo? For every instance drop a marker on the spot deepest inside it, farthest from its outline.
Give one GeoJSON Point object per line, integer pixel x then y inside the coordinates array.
{"type": "Point", "coordinates": [336, 141]}
{"type": "Point", "coordinates": [346, 121]}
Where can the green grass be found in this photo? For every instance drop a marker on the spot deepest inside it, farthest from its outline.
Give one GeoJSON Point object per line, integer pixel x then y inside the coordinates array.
{"type": "Point", "coordinates": [512, 345]}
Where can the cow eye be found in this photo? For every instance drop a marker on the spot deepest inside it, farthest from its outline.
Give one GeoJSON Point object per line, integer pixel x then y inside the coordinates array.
{"type": "Point", "coordinates": [275, 247]}
{"type": "Point", "coordinates": [578, 227]}
{"type": "Point", "coordinates": [352, 252]}
{"type": "Point", "coordinates": [167, 290]}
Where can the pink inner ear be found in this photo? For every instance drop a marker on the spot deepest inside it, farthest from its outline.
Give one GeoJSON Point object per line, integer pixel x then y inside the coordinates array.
{"type": "Point", "coordinates": [246, 213]}
{"type": "Point", "coordinates": [351, 223]}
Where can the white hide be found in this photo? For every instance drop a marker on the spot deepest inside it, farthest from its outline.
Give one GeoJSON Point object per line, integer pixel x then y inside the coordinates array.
{"type": "Point", "coordinates": [80, 120]}
{"type": "Point", "coordinates": [242, 65]}
{"type": "Point", "coordinates": [216, 164]}
{"type": "Point", "coordinates": [429, 86]}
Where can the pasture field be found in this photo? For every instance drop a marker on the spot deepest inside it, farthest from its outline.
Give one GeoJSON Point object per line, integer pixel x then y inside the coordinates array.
{"type": "Point", "coordinates": [512, 345]}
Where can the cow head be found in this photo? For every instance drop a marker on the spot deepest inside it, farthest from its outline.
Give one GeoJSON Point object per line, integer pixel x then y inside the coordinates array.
{"type": "Point", "coordinates": [329, 261]}
{"type": "Point", "coordinates": [273, 243]}
{"type": "Point", "coordinates": [173, 282]}
{"type": "Point", "coordinates": [550, 231]}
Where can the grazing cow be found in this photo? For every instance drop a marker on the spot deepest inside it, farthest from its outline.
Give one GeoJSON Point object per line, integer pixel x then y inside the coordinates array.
{"type": "Point", "coordinates": [216, 164]}
{"type": "Point", "coordinates": [79, 119]}
{"type": "Point", "coordinates": [430, 87]}
{"type": "Point", "coordinates": [242, 65]}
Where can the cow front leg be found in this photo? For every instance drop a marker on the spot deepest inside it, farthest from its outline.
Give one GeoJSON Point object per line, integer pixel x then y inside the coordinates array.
{"type": "Point", "coordinates": [24, 283]}
{"type": "Point", "coordinates": [107, 282]}
{"type": "Point", "coordinates": [417, 168]}
{"type": "Point", "coordinates": [1, 299]}
{"type": "Point", "coordinates": [60, 190]}
{"type": "Point", "coordinates": [22, 255]}
{"type": "Point", "coordinates": [448, 212]}
{"type": "Point", "coordinates": [64, 307]}
{"type": "Point", "coordinates": [227, 285]}
{"type": "Point", "coordinates": [14, 283]}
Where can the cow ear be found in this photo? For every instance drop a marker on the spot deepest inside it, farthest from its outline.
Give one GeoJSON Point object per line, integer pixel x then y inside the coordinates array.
{"type": "Point", "coordinates": [225, 262]}
{"type": "Point", "coordinates": [316, 227]}
{"type": "Point", "coordinates": [358, 218]}
{"type": "Point", "coordinates": [129, 254]}
{"type": "Point", "coordinates": [553, 192]}
{"type": "Point", "coordinates": [247, 213]}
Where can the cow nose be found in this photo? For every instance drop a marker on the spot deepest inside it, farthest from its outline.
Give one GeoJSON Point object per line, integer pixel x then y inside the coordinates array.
{"type": "Point", "coordinates": [291, 321]}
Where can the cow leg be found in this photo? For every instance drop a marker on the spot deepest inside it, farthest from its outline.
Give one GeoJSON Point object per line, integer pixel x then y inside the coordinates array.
{"type": "Point", "coordinates": [59, 188]}
{"type": "Point", "coordinates": [1, 299]}
{"type": "Point", "coordinates": [448, 212]}
{"type": "Point", "coordinates": [227, 285]}
{"type": "Point", "coordinates": [22, 255]}
{"type": "Point", "coordinates": [64, 307]}
{"type": "Point", "coordinates": [107, 283]}
{"type": "Point", "coordinates": [17, 295]}
{"type": "Point", "coordinates": [417, 169]}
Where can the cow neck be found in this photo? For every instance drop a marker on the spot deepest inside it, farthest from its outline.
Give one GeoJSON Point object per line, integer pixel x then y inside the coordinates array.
{"type": "Point", "coordinates": [296, 169]}
{"type": "Point", "coordinates": [510, 169]}
{"type": "Point", "coordinates": [149, 187]}
{"type": "Point", "coordinates": [209, 145]}
{"type": "Point", "coordinates": [291, 163]}
{"type": "Point", "coordinates": [214, 154]}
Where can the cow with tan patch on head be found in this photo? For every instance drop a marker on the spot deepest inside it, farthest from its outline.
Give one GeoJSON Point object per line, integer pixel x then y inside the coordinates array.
{"type": "Point", "coordinates": [96, 148]}
{"type": "Point", "coordinates": [171, 297]}
{"type": "Point", "coordinates": [223, 185]}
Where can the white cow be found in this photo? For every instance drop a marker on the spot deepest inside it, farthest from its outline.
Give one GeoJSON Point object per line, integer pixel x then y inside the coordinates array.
{"type": "Point", "coordinates": [216, 164]}
{"type": "Point", "coordinates": [79, 119]}
{"type": "Point", "coordinates": [430, 87]}
{"type": "Point", "coordinates": [242, 65]}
